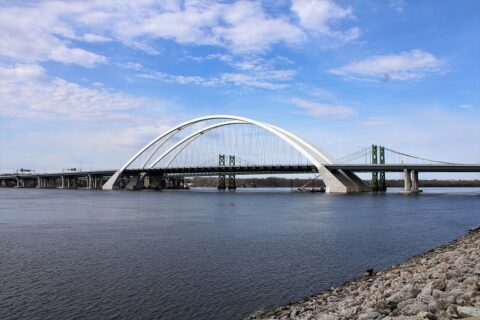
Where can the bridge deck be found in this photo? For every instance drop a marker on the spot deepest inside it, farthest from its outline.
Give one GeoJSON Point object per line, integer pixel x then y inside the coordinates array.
{"type": "Point", "coordinates": [250, 170]}
{"type": "Point", "coordinates": [401, 167]}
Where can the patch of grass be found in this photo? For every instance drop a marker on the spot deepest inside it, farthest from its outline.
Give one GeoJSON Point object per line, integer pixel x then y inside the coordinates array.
{"type": "Point", "coordinates": [393, 305]}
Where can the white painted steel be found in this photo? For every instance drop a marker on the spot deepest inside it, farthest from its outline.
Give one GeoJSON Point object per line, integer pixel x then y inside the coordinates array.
{"type": "Point", "coordinates": [312, 153]}
{"type": "Point", "coordinates": [182, 144]}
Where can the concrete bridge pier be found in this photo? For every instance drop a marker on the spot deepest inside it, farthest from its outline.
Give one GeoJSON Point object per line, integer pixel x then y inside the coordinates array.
{"type": "Point", "coordinates": [20, 183]}
{"type": "Point", "coordinates": [41, 183]}
{"type": "Point", "coordinates": [72, 183]}
{"type": "Point", "coordinates": [415, 182]}
{"type": "Point", "coordinates": [136, 182]}
{"type": "Point", "coordinates": [407, 185]}
{"type": "Point", "coordinates": [410, 185]}
{"type": "Point", "coordinates": [154, 181]}
{"type": "Point", "coordinates": [97, 182]}
{"type": "Point", "coordinates": [89, 181]}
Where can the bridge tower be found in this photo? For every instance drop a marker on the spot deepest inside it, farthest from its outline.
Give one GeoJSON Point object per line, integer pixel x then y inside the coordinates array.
{"type": "Point", "coordinates": [221, 177]}
{"type": "Point", "coordinates": [378, 177]}
{"type": "Point", "coordinates": [375, 173]}
{"type": "Point", "coordinates": [382, 184]}
{"type": "Point", "coordinates": [232, 184]}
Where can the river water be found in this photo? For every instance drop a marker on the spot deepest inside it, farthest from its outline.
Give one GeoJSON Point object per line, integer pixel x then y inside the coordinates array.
{"type": "Point", "coordinates": [203, 254]}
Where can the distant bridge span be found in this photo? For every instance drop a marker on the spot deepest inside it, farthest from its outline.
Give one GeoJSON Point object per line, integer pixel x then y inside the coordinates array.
{"type": "Point", "coordinates": [95, 179]}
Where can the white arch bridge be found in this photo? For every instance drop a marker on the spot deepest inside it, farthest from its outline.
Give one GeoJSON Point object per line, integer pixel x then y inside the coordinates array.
{"type": "Point", "coordinates": [226, 146]}
{"type": "Point", "coordinates": [231, 145]}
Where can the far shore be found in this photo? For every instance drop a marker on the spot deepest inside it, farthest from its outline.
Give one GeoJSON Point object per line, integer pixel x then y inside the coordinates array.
{"type": "Point", "coordinates": [278, 182]}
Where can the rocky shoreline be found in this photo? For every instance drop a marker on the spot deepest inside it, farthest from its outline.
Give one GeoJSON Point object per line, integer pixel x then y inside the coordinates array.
{"type": "Point", "coordinates": [443, 283]}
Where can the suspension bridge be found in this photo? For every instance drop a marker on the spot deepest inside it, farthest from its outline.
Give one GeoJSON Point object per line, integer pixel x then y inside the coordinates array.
{"type": "Point", "coordinates": [227, 146]}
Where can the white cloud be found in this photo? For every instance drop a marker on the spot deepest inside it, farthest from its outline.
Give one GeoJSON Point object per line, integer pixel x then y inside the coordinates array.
{"type": "Point", "coordinates": [21, 72]}
{"type": "Point", "coordinates": [241, 26]}
{"type": "Point", "coordinates": [32, 34]}
{"type": "Point", "coordinates": [466, 106]}
{"type": "Point", "coordinates": [247, 28]}
{"type": "Point", "coordinates": [318, 109]}
{"type": "Point", "coordinates": [131, 65]}
{"type": "Point", "coordinates": [76, 56]}
{"type": "Point", "coordinates": [317, 16]}
{"type": "Point", "coordinates": [272, 79]}
{"type": "Point", "coordinates": [25, 91]}
{"type": "Point", "coordinates": [408, 65]}
{"type": "Point", "coordinates": [90, 37]}
{"type": "Point", "coordinates": [268, 80]}
{"type": "Point", "coordinates": [250, 71]}
{"type": "Point", "coordinates": [40, 31]}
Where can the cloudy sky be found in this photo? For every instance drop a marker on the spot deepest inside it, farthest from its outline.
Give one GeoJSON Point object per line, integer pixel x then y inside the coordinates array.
{"type": "Point", "coordinates": [87, 83]}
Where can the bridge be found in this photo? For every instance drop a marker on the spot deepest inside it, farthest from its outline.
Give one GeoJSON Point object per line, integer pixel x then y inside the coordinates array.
{"type": "Point", "coordinates": [227, 146]}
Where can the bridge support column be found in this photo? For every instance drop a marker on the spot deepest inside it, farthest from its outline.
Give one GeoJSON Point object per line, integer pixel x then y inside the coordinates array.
{"type": "Point", "coordinates": [415, 183]}
{"type": "Point", "coordinates": [222, 185]}
{"type": "Point", "coordinates": [375, 186]}
{"type": "Point", "coordinates": [382, 183]}
{"type": "Point", "coordinates": [221, 177]}
{"type": "Point", "coordinates": [136, 182]}
{"type": "Point", "coordinates": [375, 173]}
{"type": "Point", "coordinates": [62, 183]}
{"type": "Point", "coordinates": [155, 181]}
{"type": "Point", "coordinates": [407, 185]}
{"type": "Point", "coordinates": [232, 183]}
{"type": "Point", "coordinates": [411, 182]}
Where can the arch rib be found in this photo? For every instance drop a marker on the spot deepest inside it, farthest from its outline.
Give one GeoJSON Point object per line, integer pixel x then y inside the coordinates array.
{"type": "Point", "coordinates": [182, 144]}
{"type": "Point", "coordinates": [336, 182]}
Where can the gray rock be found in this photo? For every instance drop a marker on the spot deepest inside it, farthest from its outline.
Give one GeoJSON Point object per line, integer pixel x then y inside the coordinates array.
{"type": "Point", "coordinates": [369, 315]}
{"type": "Point", "coordinates": [468, 311]}
{"type": "Point", "coordinates": [330, 316]}
{"type": "Point", "coordinates": [407, 292]}
{"type": "Point", "coordinates": [414, 308]}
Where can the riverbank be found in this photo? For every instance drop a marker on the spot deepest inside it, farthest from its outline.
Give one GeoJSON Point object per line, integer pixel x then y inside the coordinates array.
{"type": "Point", "coordinates": [443, 283]}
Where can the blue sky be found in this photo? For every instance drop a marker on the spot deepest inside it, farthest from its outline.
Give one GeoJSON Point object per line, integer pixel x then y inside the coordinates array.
{"type": "Point", "coordinates": [90, 82]}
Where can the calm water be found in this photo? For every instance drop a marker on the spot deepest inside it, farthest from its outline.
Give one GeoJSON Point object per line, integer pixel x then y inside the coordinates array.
{"type": "Point", "coordinates": [204, 255]}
